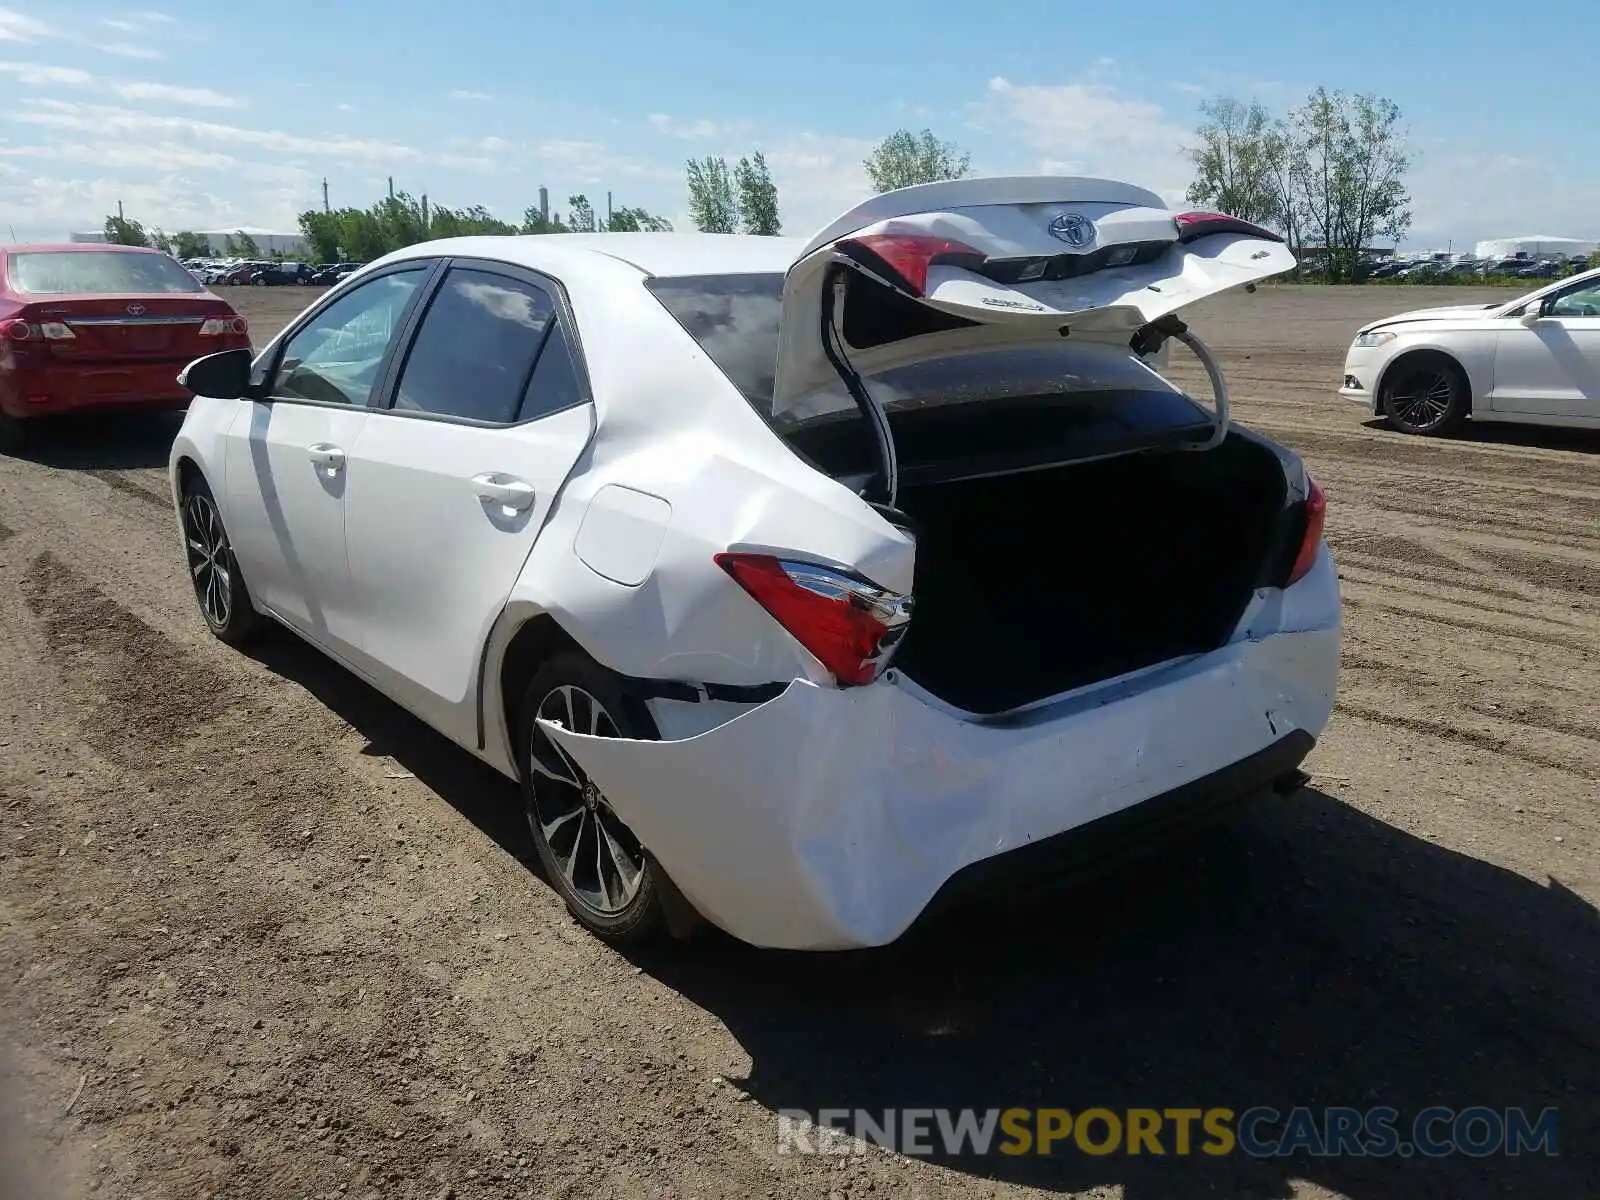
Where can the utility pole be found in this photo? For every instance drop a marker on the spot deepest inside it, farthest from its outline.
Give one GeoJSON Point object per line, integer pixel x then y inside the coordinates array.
{"type": "Point", "coordinates": [544, 202]}
{"type": "Point", "coordinates": [391, 187]}
{"type": "Point", "coordinates": [119, 212]}
{"type": "Point", "coordinates": [324, 193]}
{"type": "Point", "coordinates": [608, 210]}
{"type": "Point", "coordinates": [424, 212]}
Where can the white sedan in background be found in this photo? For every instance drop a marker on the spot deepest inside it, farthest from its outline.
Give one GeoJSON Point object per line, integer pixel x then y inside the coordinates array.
{"type": "Point", "coordinates": [792, 580]}
{"type": "Point", "coordinates": [1534, 360]}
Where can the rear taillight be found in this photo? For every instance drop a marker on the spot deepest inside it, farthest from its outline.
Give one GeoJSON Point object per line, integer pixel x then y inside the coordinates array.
{"type": "Point", "coordinates": [909, 255]}
{"type": "Point", "coordinates": [849, 624]}
{"type": "Point", "coordinates": [1316, 511]}
{"type": "Point", "coordinates": [16, 330]}
{"type": "Point", "coordinates": [1193, 225]}
{"type": "Point", "coordinates": [217, 326]}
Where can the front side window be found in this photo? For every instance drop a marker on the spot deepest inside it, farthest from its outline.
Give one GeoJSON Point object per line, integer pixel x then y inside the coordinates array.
{"type": "Point", "coordinates": [335, 358]}
{"type": "Point", "coordinates": [65, 272]}
{"type": "Point", "coordinates": [475, 349]}
{"type": "Point", "coordinates": [1581, 302]}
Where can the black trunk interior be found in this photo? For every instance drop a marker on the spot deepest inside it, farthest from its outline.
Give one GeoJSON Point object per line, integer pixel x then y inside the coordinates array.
{"type": "Point", "coordinates": [1030, 584]}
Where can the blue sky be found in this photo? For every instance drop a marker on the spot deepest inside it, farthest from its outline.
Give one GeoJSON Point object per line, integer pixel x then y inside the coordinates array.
{"type": "Point", "coordinates": [220, 115]}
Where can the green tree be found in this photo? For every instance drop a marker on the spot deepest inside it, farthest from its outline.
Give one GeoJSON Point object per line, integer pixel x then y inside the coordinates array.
{"type": "Point", "coordinates": [1349, 158]}
{"type": "Point", "coordinates": [1233, 159]}
{"type": "Point", "coordinates": [240, 244]}
{"type": "Point", "coordinates": [186, 245]}
{"type": "Point", "coordinates": [159, 240]}
{"type": "Point", "coordinates": [712, 203]}
{"type": "Point", "coordinates": [904, 159]}
{"type": "Point", "coordinates": [534, 221]}
{"type": "Point", "coordinates": [637, 220]}
{"type": "Point", "coordinates": [580, 214]}
{"type": "Point", "coordinates": [121, 231]}
{"type": "Point", "coordinates": [321, 233]}
{"type": "Point", "coordinates": [466, 222]}
{"type": "Point", "coordinates": [758, 196]}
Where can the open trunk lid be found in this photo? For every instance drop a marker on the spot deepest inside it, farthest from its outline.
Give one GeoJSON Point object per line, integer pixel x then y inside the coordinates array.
{"type": "Point", "coordinates": [1000, 263]}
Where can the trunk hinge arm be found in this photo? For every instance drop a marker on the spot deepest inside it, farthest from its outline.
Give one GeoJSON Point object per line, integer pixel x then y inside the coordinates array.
{"type": "Point", "coordinates": [1150, 338]}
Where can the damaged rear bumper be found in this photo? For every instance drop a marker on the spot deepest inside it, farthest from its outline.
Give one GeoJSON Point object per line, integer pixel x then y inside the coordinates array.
{"type": "Point", "coordinates": [828, 819]}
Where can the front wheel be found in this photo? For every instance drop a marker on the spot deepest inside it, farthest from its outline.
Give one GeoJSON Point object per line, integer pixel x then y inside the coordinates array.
{"type": "Point", "coordinates": [589, 855]}
{"type": "Point", "coordinates": [218, 586]}
{"type": "Point", "coordinates": [1426, 395]}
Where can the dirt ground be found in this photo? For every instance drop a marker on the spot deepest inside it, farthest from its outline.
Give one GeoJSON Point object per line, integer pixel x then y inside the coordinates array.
{"type": "Point", "coordinates": [264, 935]}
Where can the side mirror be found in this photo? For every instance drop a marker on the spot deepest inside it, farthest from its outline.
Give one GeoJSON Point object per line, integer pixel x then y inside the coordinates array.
{"type": "Point", "coordinates": [224, 375]}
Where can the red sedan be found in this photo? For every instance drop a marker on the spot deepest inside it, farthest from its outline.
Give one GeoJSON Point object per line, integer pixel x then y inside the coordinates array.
{"type": "Point", "coordinates": [96, 326]}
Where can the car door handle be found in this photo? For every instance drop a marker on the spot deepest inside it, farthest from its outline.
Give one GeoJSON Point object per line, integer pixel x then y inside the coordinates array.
{"type": "Point", "coordinates": [325, 454]}
{"type": "Point", "coordinates": [503, 489]}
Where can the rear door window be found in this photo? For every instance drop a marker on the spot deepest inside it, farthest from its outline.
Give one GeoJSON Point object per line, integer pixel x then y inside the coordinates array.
{"type": "Point", "coordinates": [474, 353]}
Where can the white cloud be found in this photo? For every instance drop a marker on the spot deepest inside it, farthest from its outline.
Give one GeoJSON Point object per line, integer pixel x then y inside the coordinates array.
{"type": "Point", "coordinates": [818, 178]}
{"type": "Point", "coordinates": [129, 50]}
{"type": "Point", "coordinates": [107, 119]}
{"type": "Point", "coordinates": [584, 162]}
{"type": "Point", "coordinates": [1091, 128]}
{"type": "Point", "coordinates": [19, 27]}
{"type": "Point", "coordinates": [699, 130]}
{"type": "Point", "coordinates": [200, 97]}
{"type": "Point", "coordinates": [461, 94]}
{"type": "Point", "coordinates": [494, 145]}
{"type": "Point", "coordinates": [40, 75]}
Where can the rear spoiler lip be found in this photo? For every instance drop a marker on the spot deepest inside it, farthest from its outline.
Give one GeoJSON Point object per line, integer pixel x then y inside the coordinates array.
{"type": "Point", "coordinates": [955, 194]}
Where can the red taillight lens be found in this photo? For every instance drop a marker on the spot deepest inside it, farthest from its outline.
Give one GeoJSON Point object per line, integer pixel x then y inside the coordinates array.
{"type": "Point", "coordinates": [909, 255]}
{"type": "Point", "coordinates": [852, 626]}
{"type": "Point", "coordinates": [1311, 539]}
{"type": "Point", "coordinates": [217, 326]}
{"type": "Point", "coordinates": [1194, 225]}
{"type": "Point", "coordinates": [16, 331]}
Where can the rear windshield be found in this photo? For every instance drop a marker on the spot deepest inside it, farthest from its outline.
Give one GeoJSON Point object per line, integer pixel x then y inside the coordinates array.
{"type": "Point", "coordinates": [1049, 399]}
{"type": "Point", "coordinates": [58, 271]}
{"type": "Point", "coordinates": [734, 318]}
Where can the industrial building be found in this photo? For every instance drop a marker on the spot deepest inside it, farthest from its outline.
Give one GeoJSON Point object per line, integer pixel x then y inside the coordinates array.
{"type": "Point", "coordinates": [268, 242]}
{"type": "Point", "coordinates": [1537, 247]}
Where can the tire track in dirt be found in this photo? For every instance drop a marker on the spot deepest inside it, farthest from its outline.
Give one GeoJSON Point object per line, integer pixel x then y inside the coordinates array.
{"type": "Point", "coordinates": [120, 482]}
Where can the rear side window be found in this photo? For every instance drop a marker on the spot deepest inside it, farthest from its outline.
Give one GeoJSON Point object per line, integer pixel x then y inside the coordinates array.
{"type": "Point", "coordinates": [474, 353]}
{"type": "Point", "coordinates": [55, 272]}
{"type": "Point", "coordinates": [735, 320]}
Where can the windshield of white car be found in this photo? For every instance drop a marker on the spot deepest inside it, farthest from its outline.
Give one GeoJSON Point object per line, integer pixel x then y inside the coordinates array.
{"type": "Point", "coordinates": [57, 272]}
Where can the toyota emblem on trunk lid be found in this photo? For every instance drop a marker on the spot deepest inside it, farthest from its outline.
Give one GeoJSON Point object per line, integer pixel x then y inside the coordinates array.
{"type": "Point", "coordinates": [1074, 229]}
{"type": "Point", "coordinates": [135, 309]}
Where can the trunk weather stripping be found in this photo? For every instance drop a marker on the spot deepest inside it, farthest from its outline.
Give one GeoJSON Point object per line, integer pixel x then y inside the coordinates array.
{"type": "Point", "coordinates": [1150, 338]}
{"type": "Point", "coordinates": [833, 347]}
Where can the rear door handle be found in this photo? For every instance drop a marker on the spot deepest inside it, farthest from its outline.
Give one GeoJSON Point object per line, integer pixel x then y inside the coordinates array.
{"type": "Point", "coordinates": [503, 489]}
{"type": "Point", "coordinates": [326, 454]}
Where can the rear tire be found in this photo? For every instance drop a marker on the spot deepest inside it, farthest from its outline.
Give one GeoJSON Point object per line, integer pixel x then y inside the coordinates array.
{"type": "Point", "coordinates": [1426, 395]}
{"type": "Point", "coordinates": [590, 857]}
{"type": "Point", "coordinates": [219, 587]}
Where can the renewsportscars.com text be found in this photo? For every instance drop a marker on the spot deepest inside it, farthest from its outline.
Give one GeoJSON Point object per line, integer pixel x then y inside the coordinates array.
{"type": "Point", "coordinates": [1259, 1132]}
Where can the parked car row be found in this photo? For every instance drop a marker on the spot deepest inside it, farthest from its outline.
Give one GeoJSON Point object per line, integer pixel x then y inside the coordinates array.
{"type": "Point", "coordinates": [269, 273]}
{"type": "Point", "coordinates": [1518, 268]}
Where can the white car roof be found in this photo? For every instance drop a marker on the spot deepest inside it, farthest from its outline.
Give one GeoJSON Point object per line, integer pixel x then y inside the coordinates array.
{"type": "Point", "coordinates": [652, 253]}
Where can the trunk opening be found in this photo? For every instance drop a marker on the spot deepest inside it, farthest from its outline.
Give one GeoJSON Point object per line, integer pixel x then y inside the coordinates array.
{"type": "Point", "coordinates": [1031, 584]}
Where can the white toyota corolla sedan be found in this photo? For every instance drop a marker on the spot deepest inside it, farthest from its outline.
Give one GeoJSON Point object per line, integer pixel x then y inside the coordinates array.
{"type": "Point", "coordinates": [1534, 360]}
{"type": "Point", "coordinates": [799, 583]}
